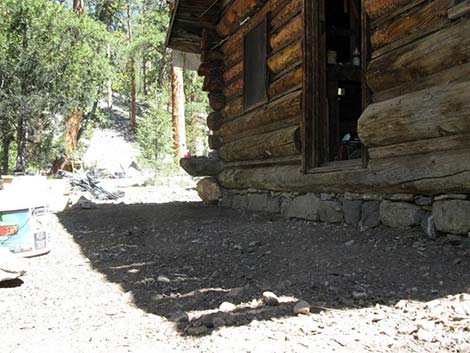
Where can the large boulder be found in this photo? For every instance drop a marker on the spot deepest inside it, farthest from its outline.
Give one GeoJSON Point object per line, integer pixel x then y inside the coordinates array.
{"type": "Point", "coordinates": [400, 214]}
{"type": "Point", "coordinates": [304, 206]}
{"type": "Point", "coordinates": [452, 216]}
{"type": "Point", "coordinates": [370, 215]}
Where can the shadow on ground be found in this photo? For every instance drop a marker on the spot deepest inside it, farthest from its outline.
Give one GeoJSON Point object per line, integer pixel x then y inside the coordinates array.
{"type": "Point", "coordinates": [190, 257]}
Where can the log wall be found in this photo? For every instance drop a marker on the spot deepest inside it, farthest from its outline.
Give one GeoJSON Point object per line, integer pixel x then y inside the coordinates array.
{"type": "Point", "coordinates": [269, 131]}
{"type": "Point", "coordinates": [416, 127]}
{"type": "Point", "coordinates": [418, 123]}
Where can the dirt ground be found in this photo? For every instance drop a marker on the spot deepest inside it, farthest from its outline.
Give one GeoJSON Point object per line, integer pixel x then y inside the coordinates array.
{"type": "Point", "coordinates": [118, 272]}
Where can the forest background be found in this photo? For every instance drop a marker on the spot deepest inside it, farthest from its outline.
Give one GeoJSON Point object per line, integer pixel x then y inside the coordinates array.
{"type": "Point", "coordinates": [62, 60]}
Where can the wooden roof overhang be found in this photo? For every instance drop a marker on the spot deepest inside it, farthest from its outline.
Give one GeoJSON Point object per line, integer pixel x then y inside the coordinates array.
{"type": "Point", "coordinates": [188, 19]}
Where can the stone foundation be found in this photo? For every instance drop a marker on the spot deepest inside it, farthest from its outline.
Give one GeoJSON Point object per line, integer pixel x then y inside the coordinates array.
{"type": "Point", "coordinates": [443, 214]}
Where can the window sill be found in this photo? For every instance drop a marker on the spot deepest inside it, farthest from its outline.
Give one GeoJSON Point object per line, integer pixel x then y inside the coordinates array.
{"type": "Point", "coordinates": [338, 166]}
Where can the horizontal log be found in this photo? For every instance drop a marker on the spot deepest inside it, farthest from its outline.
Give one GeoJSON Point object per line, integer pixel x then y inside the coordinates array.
{"type": "Point", "coordinates": [434, 173]}
{"type": "Point", "coordinates": [211, 55]}
{"type": "Point", "coordinates": [459, 8]}
{"type": "Point", "coordinates": [216, 101]}
{"type": "Point", "coordinates": [213, 83]}
{"type": "Point", "coordinates": [214, 121]}
{"type": "Point", "coordinates": [279, 143]}
{"type": "Point", "coordinates": [234, 72]}
{"type": "Point", "coordinates": [233, 58]}
{"type": "Point", "coordinates": [209, 38]}
{"type": "Point", "coordinates": [435, 112]}
{"type": "Point", "coordinates": [201, 166]}
{"type": "Point", "coordinates": [291, 31]}
{"type": "Point", "coordinates": [207, 67]}
{"type": "Point", "coordinates": [233, 107]}
{"type": "Point", "coordinates": [378, 8]}
{"type": "Point", "coordinates": [286, 82]}
{"type": "Point", "coordinates": [437, 144]}
{"type": "Point", "coordinates": [234, 88]}
{"type": "Point", "coordinates": [274, 126]}
{"type": "Point", "coordinates": [215, 142]}
{"type": "Point", "coordinates": [427, 56]}
{"type": "Point", "coordinates": [292, 8]}
{"type": "Point", "coordinates": [456, 74]}
{"type": "Point", "coordinates": [295, 160]}
{"type": "Point", "coordinates": [234, 44]}
{"type": "Point", "coordinates": [236, 12]}
{"type": "Point", "coordinates": [283, 108]}
{"type": "Point", "coordinates": [417, 22]}
{"type": "Point", "coordinates": [286, 57]}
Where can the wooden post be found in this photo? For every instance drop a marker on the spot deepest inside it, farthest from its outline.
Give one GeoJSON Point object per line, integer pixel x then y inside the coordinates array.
{"type": "Point", "coordinates": [179, 126]}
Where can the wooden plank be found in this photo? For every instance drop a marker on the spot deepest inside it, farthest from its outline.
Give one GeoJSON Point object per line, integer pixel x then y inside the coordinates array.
{"type": "Point", "coordinates": [310, 95]}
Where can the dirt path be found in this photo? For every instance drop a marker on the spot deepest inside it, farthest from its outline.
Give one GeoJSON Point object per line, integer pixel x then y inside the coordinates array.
{"type": "Point", "coordinates": [119, 271]}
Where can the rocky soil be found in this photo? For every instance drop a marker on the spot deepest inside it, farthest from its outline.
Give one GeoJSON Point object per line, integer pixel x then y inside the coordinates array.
{"type": "Point", "coordinates": [173, 276]}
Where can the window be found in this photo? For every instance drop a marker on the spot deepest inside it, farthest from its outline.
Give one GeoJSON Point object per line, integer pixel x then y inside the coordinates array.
{"type": "Point", "coordinates": [255, 71]}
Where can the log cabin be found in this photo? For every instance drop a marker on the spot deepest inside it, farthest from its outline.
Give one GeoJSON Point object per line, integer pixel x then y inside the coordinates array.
{"type": "Point", "coordinates": [336, 110]}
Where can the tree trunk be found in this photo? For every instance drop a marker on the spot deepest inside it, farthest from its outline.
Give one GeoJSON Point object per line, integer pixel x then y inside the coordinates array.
{"type": "Point", "coordinates": [72, 129]}
{"type": "Point", "coordinates": [110, 83]}
{"type": "Point", "coordinates": [21, 145]}
{"type": "Point", "coordinates": [6, 155]}
{"type": "Point", "coordinates": [79, 7]}
{"type": "Point", "coordinates": [133, 114]}
{"type": "Point", "coordinates": [144, 75]}
{"type": "Point", "coordinates": [74, 120]}
{"type": "Point", "coordinates": [179, 126]}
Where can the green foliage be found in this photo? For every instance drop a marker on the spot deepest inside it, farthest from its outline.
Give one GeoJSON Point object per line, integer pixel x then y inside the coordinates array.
{"type": "Point", "coordinates": [155, 137]}
{"type": "Point", "coordinates": [49, 65]}
{"type": "Point", "coordinates": [53, 61]}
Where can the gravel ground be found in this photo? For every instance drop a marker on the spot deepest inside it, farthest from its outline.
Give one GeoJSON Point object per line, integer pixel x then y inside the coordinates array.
{"type": "Point", "coordinates": [118, 272]}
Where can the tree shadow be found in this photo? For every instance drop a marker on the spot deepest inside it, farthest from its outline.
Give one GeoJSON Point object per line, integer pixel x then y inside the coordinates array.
{"type": "Point", "coordinates": [188, 257]}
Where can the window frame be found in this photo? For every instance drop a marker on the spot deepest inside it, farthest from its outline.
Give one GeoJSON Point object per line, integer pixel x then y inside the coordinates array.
{"type": "Point", "coordinates": [315, 119]}
{"type": "Point", "coordinates": [264, 21]}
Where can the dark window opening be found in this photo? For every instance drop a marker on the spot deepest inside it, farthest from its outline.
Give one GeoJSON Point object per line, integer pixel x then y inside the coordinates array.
{"type": "Point", "coordinates": [255, 71]}
{"type": "Point", "coordinates": [342, 40]}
